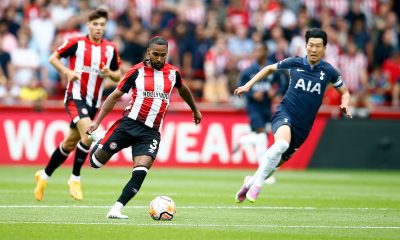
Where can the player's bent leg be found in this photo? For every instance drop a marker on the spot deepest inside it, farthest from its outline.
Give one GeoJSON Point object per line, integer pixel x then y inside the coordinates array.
{"type": "Point", "coordinates": [267, 168]}
{"type": "Point", "coordinates": [94, 162]}
{"type": "Point", "coordinates": [142, 166]}
{"type": "Point", "coordinates": [98, 157]}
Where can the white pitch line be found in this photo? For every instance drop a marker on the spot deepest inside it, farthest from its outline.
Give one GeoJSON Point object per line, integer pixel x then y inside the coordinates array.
{"type": "Point", "coordinates": [165, 224]}
{"type": "Point", "coordinates": [205, 207]}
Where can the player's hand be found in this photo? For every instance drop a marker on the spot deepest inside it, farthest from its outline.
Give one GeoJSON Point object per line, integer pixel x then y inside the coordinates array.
{"type": "Point", "coordinates": [241, 90]}
{"type": "Point", "coordinates": [105, 71]}
{"type": "Point", "coordinates": [72, 76]}
{"type": "Point", "coordinates": [197, 117]}
{"type": "Point", "coordinates": [346, 111]}
{"type": "Point", "coordinates": [92, 127]}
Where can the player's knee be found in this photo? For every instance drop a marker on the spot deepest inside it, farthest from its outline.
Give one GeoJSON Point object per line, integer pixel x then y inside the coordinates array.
{"type": "Point", "coordinates": [281, 146]}
{"type": "Point", "coordinates": [94, 162]}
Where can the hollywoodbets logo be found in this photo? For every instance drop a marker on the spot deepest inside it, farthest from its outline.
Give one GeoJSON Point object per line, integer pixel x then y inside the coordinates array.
{"type": "Point", "coordinates": [159, 95]}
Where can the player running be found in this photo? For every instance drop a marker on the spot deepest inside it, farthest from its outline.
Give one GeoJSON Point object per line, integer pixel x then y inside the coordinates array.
{"type": "Point", "coordinates": [92, 59]}
{"type": "Point", "coordinates": [294, 117]}
{"type": "Point", "coordinates": [258, 102]}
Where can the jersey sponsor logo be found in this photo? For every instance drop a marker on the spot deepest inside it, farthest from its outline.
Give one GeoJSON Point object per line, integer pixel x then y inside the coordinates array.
{"type": "Point", "coordinates": [309, 87]}
{"type": "Point", "coordinates": [322, 75]}
{"type": "Point", "coordinates": [153, 146]}
{"type": "Point", "coordinates": [90, 70]}
{"type": "Point", "coordinates": [159, 95]}
{"type": "Point", "coordinates": [300, 70]}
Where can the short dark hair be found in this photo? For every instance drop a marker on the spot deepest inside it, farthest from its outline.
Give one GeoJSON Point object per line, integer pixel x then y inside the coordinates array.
{"type": "Point", "coordinates": [317, 33]}
{"type": "Point", "coordinates": [158, 40]}
{"type": "Point", "coordinates": [98, 13]}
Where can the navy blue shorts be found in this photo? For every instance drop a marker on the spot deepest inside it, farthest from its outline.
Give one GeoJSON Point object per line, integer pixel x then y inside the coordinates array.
{"type": "Point", "coordinates": [258, 120]}
{"type": "Point", "coordinates": [78, 109]}
{"type": "Point", "coordinates": [298, 136]}
{"type": "Point", "coordinates": [127, 132]}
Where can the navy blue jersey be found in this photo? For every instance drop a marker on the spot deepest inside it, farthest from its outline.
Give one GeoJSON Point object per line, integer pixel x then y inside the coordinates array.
{"type": "Point", "coordinates": [259, 112]}
{"type": "Point", "coordinates": [263, 85]}
{"type": "Point", "coordinates": [306, 89]}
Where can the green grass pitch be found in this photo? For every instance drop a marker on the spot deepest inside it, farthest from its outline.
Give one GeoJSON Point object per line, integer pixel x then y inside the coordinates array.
{"type": "Point", "coordinates": [313, 204]}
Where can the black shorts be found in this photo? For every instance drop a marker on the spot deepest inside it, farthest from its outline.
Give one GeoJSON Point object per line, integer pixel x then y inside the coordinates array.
{"type": "Point", "coordinates": [78, 109]}
{"type": "Point", "coordinates": [298, 136]}
{"type": "Point", "coordinates": [127, 132]}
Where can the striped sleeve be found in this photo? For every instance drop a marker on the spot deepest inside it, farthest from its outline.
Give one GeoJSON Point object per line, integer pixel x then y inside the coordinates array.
{"type": "Point", "coordinates": [116, 60]}
{"type": "Point", "coordinates": [179, 80]}
{"type": "Point", "coordinates": [128, 81]}
{"type": "Point", "coordinates": [68, 48]}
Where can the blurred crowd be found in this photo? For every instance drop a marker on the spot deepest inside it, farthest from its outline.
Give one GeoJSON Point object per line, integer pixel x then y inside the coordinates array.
{"type": "Point", "coordinates": [210, 40]}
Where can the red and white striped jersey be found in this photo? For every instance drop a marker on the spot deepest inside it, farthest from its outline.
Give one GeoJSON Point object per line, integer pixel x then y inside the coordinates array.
{"type": "Point", "coordinates": [86, 58]}
{"type": "Point", "coordinates": [351, 68]}
{"type": "Point", "coordinates": [151, 91]}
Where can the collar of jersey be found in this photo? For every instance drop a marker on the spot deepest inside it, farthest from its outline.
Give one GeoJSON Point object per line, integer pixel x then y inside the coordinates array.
{"type": "Point", "coordinates": [305, 62]}
{"type": "Point", "coordinates": [96, 44]}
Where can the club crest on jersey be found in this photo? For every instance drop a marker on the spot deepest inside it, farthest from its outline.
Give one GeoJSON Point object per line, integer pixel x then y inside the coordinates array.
{"type": "Point", "coordinates": [113, 145]}
{"type": "Point", "coordinates": [309, 87]}
{"type": "Point", "coordinates": [84, 111]}
{"type": "Point", "coordinates": [322, 75]}
{"type": "Point", "coordinates": [172, 75]}
{"type": "Point", "coordinates": [108, 53]}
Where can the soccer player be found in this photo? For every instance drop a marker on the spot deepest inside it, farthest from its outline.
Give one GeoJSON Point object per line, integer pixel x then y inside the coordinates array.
{"type": "Point", "coordinates": [151, 82]}
{"type": "Point", "coordinates": [294, 117]}
{"type": "Point", "coordinates": [91, 60]}
{"type": "Point", "coordinates": [258, 103]}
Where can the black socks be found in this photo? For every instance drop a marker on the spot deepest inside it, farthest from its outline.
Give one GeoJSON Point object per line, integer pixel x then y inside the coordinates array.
{"type": "Point", "coordinates": [57, 158]}
{"type": "Point", "coordinates": [132, 187]}
{"type": "Point", "coordinates": [81, 153]}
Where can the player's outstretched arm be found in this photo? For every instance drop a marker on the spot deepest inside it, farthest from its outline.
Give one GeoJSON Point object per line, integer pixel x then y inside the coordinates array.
{"type": "Point", "coordinates": [107, 106]}
{"type": "Point", "coordinates": [345, 104]}
{"type": "Point", "coordinates": [265, 72]}
{"type": "Point", "coordinates": [187, 96]}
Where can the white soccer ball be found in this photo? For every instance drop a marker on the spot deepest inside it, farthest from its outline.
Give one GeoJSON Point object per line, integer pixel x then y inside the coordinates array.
{"type": "Point", "coordinates": [162, 208]}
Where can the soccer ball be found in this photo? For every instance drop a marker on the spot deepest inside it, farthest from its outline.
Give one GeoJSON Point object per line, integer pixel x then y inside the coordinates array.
{"type": "Point", "coordinates": [162, 208]}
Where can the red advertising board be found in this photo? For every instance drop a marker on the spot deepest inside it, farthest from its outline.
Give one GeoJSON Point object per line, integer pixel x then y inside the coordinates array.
{"type": "Point", "coordinates": [29, 137]}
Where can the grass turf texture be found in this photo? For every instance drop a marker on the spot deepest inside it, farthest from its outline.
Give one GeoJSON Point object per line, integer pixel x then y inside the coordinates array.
{"type": "Point", "coordinates": [313, 204]}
